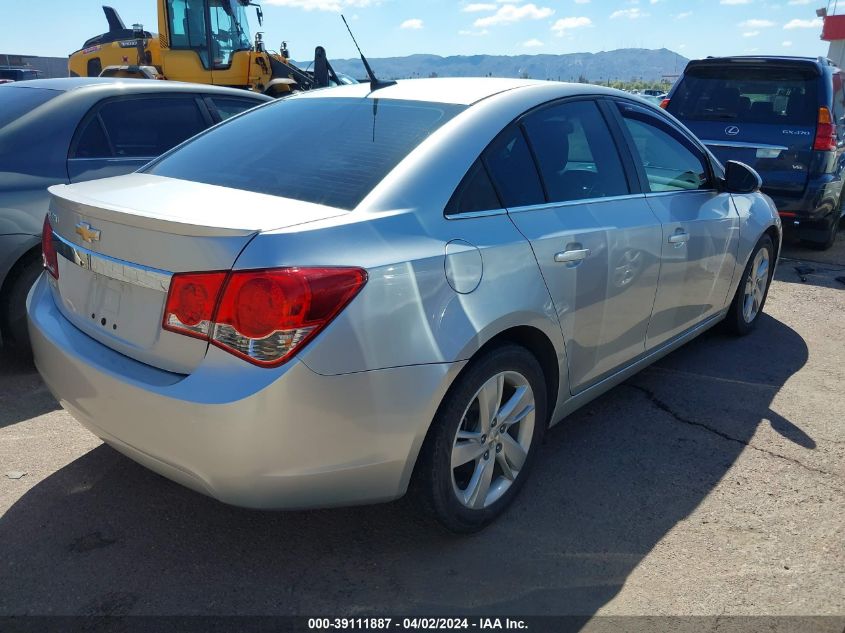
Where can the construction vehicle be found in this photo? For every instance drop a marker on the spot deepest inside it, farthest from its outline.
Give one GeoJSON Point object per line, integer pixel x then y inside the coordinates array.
{"type": "Point", "coordinates": [200, 41]}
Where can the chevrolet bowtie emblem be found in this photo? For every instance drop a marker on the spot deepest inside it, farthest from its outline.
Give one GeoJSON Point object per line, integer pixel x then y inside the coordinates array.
{"type": "Point", "coordinates": [87, 232]}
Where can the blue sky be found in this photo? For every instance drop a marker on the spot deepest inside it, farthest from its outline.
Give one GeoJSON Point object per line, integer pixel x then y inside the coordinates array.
{"type": "Point", "coordinates": [694, 28]}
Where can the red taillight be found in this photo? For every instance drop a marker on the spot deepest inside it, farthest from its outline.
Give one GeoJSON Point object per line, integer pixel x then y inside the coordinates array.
{"type": "Point", "coordinates": [48, 250]}
{"type": "Point", "coordinates": [263, 316]}
{"type": "Point", "coordinates": [825, 132]}
{"type": "Point", "coordinates": [191, 302]}
{"type": "Point", "coordinates": [664, 104]}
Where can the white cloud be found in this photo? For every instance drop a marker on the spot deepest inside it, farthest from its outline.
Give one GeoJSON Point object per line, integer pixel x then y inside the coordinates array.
{"type": "Point", "coordinates": [582, 1]}
{"type": "Point", "coordinates": [321, 5]}
{"type": "Point", "coordinates": [804, 24]}
{"type": "Point", "coordinates": [478, 6]}
{"type": "Point", "coordinates": [476, 33]}
{"type": "Point", "coordinates": [414, 24]}
{"type": "Point", "coordinates": [757, 24]}
{"type": "Point", "coordinates": [567, 24]}
{"type": "Point", "coordinates": [631, 14]}
{"type": "Point", "coordinates": [510, 13]}
{"type": "Point", "coordinates": [799, 2]}
{"type": "Point", "coordinates": [683, 15]}
{"type": "Point", "coordinates": [751, 34]}
{"type": "Point", "coordinates": [734, 1]}
{"type": "Point", "coordinates": [532, 43]}
{"type": "Point", "coordinates": [786, 43]}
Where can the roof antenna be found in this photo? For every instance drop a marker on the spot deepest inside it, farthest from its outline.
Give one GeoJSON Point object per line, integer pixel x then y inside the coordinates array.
{"type": "Point", "coordinates": [375, 83]}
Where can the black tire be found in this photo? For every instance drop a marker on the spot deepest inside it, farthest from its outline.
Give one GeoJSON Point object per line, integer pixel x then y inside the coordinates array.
{"type": "Point", "coordinates": [736, 320]}
{"type": "Point", "coordinates": [13, 305]}
{"type": "Point", "coordinates": [434, 479]}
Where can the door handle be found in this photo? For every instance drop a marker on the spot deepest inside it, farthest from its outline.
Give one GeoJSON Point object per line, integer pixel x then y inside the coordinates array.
{"type": "Point", "coordinates": [572, 256]}
{"type": "Point", "coordinates": [679, 238]}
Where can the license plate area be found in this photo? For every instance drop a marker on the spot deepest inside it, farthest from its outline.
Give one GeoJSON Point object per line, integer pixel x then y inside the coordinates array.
{"type": "Point", "coordinates": [107, 297]}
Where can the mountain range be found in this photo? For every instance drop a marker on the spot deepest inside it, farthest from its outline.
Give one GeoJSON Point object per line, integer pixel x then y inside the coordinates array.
{"type": "Point", "coordinates": [626, 64]}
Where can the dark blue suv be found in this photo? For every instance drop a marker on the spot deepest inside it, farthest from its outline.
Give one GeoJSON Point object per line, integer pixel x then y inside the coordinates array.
{"type": "Point", "coordinates": [784, 117]}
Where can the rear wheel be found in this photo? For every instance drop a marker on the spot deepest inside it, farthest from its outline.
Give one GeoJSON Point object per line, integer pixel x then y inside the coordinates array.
{"type": "Point", "coordinates": [484, 440]}
{"type": "Point", "coordinates": [13, 305]}
{"type": "Point", "coordinates": [753, 288]}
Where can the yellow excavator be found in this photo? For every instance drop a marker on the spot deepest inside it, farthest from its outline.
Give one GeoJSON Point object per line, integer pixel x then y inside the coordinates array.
{"type": "Point", "coordinates": [200, 41]}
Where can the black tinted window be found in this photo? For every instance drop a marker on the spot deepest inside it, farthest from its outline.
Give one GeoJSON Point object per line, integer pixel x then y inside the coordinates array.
{"type": "Point", "coordinates": [16, 101]}
{"type": "Point", "coordinates": [227, 108]}
{"type": "Point", "coordinates": [576, 153]}
{"type": "Point", "coordinates": [92, 142]}
{"type": "Point", "coordinates": [670, 161]}
{"type": "Point", "coordinates": [747, 95]}
{"type": "Point", "coordinates": [512, 170]}
{"type": "Point", "coordinates": [149, 127]}
{"type": "Point", "coordinates": [330, 151]}
{"type": "Point", "coordinates": [475, 193]}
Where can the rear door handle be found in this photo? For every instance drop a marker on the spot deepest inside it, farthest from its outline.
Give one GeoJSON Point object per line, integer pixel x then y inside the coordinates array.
{"type": "Point", "coordinates": [572, 256]}
{"type": "Point", "coordinates": [679, 238]}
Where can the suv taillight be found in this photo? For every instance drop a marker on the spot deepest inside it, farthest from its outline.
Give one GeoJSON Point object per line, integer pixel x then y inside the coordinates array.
{"type": "Point", "coordinates": [263, 316]}
{"type": "Point", "coordinates": [825, 132]}
{"type": "Point", "coordinates": [664, 104]}
{"type": "Point", "coordinates": [48, 250]}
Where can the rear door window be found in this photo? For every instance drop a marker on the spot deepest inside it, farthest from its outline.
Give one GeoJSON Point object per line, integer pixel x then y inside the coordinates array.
{"type": "Point", "coordinates": [575, 152]}
{"type": "Point", "coordinates": [513, 171]}
{"type": "Point", "coordinates": [475, 193]}
{"type": "Point", "coordinates": [325, 150]}
{"type": "Point", "coordinates": [227, 107]}
{"type": "Point", "coordinates": [747, 94]}
{"type": "Point", "coordinates": [143, 127]}
{"type": "Point", "coordinates": [670, 161]}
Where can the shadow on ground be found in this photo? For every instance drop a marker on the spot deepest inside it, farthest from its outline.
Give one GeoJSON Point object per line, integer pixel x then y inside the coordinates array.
{"type": "Point", "coordinates": [22, 393]}
{"type": "Point", "coordinates": [105, 536]}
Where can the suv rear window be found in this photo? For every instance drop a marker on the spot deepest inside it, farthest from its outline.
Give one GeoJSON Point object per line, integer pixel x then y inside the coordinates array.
{"type": "Point", "coordinates": [16, 101]}
{"type": "Point", "coordinates": [747, 95]}
{"type": "Point", "coordinates": [330, 151]}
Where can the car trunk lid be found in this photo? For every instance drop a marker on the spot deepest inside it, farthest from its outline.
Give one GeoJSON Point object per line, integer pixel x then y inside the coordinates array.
{"type": "Point", "coordinates": [120, 240]}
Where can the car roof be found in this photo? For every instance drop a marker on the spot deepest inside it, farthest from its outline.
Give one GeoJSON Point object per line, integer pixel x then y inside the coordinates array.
{"type": "Point", "coordinates": [817, 63]}
{"type": "Point", "coordinates": [456, 90]}
{"type": "Point", "coordinates": [73, 84]}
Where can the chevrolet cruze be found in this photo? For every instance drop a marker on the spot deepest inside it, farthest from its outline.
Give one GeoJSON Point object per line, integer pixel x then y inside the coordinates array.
{"type": "Point", "coordinates": [349, 294]}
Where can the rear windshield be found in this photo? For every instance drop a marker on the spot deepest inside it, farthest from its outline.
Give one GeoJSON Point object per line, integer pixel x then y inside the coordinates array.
{"type": "Point", "coordinates": [330, 151]}
{"type": "Point", "coordinates": [16, 101]}
{"type": "Point", "coordinates": [747, 95]}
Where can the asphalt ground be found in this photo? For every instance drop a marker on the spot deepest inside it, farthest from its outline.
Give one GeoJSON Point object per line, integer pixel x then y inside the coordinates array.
{"type": "Point", "coordinates": [712, 483]}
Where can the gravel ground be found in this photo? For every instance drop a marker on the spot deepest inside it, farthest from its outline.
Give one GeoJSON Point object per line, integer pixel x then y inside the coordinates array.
{"type": "Point", "coordinates": [710, 484]}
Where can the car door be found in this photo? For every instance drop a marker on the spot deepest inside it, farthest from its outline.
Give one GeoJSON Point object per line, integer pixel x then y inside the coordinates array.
{"type": "Point", "coordinates": [700, 223]}
{"type": "Point", "coordinates": [121, 134]}
{"type": "Point", "coordinates": [594, 236]}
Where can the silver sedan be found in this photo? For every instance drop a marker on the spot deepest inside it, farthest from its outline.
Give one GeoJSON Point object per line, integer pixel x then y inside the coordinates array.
{"type": "Point", "coordinates": [349, 294]}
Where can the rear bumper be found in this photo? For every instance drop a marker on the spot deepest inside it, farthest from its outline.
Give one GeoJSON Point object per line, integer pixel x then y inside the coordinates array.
{"type": "Point", "coordinates": [817, 203]}
{"type": "Point", "coordinates": [284, 438]}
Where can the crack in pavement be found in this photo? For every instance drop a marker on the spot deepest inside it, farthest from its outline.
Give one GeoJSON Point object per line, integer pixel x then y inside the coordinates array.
{"type": "Point", "coordinates": [663, 406]}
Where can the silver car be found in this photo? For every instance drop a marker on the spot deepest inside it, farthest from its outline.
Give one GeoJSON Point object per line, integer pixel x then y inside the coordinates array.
{"type": "Point", "coordinates": [348, 294]}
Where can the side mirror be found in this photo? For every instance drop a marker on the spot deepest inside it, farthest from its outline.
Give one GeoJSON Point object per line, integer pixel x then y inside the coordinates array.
{"type": "Point", "coordinates": [740, 178]}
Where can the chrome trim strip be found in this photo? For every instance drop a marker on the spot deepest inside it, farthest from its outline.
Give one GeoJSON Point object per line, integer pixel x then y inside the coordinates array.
{"type": "Point", "coordinates": [660, 194]}
{"type": "Point", "coordinates": [474, 214]}
{"type": "Point", "coordinates": [573, 203]}
{"type": "Point", "coordinates": [113, 268]}
{"type": "Point", "coordinates": [744, 145]}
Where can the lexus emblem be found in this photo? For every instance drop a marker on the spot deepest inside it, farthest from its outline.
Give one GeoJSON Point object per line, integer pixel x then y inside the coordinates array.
{"type": "Point", "coordinates": [87, 232]}
{"type": "Point", "coordinates": [732, 130]}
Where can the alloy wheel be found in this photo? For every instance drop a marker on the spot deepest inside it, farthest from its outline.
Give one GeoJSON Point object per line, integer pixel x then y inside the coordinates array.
{"type": "Point", "coordinates": [493, 439]}
{"type": "Point", "coordinates": [755, 286]}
